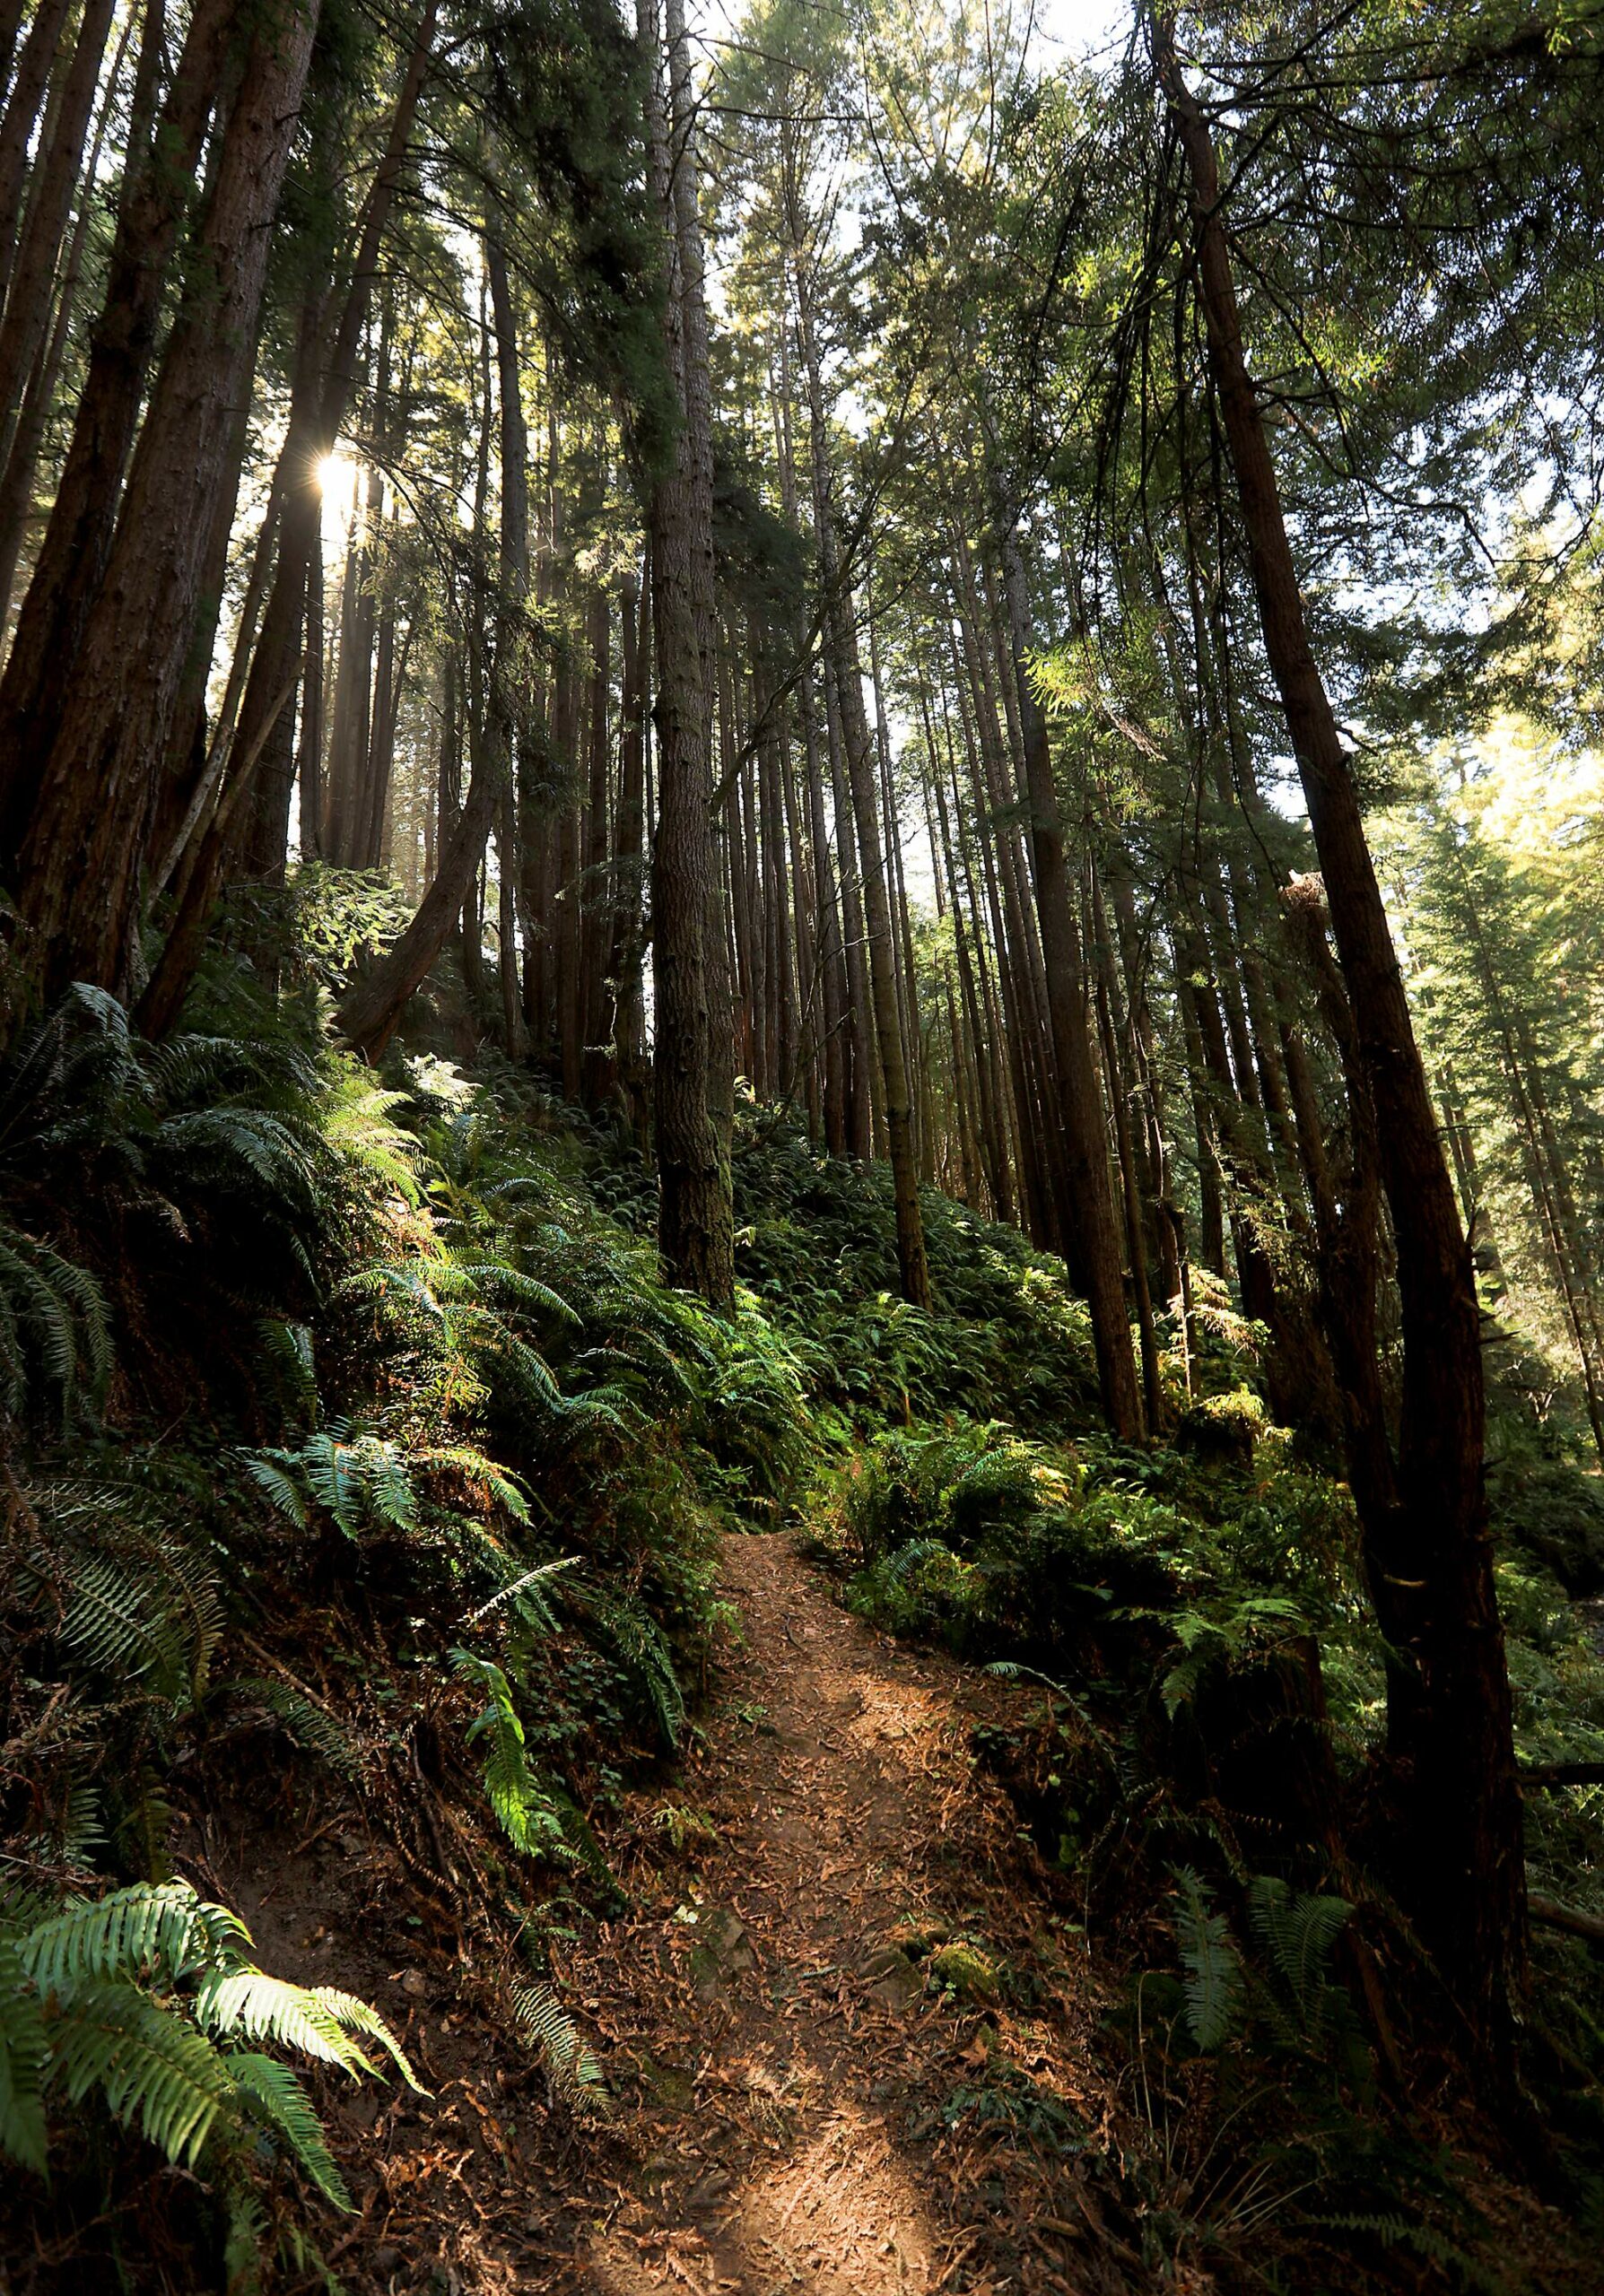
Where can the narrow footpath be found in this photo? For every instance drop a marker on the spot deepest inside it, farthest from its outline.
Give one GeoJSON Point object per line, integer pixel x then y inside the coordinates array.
{"type": "Point", "coordinates": [850, 2043]}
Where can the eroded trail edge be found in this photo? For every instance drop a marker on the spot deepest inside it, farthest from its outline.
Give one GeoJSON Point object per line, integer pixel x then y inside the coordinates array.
{"type": "Point", "coordinates": [850, 2041]}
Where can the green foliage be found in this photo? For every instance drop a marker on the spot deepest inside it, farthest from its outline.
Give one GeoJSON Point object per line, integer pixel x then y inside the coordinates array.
{"type": "Point", "coordinates": [528, 1817]}
{"type": "Point", "coordinates": [815, 1248]}
{"type": "Point", "coordinates": [129, 1596]}
{"type": "Point", "coordinates": [633, 1638]}
{"type": "Point", "coordinates": [1296, 1932]}
{"type": "Point", "coordinates": [367, 1485]}
{"type": "Point", "coordinates": [54, 1326]}
{"type": "Point", "coordinates": [1208, 1642]}
{"type": "Point", "coordinates": [140, 2000]}
{"type": "Point", "coordinates": [1214, 1989]}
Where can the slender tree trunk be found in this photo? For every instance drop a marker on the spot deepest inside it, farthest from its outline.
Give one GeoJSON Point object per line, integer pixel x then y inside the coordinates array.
{"type": "Point", "coordinates": [629, 862]}
{"type": "Point", "coordinates": [309, 762]}
{"type": "Point", "coordinates": [373, 1003]}
{"type": "Point", "coordinates": [912, 1266]}
{"type": "Point", "coordinates": [265, 823]}
{"type": "Point", "coordinates": [1135, 1236]}
{"type": "Point", "coordinates": [596, 1081]}
{"type": "Point", "coordinates": [1091, 1196]}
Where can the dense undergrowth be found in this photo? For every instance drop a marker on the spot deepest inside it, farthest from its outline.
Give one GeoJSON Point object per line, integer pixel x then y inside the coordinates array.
{"type": "Point", "coordinates": [358, 1460]}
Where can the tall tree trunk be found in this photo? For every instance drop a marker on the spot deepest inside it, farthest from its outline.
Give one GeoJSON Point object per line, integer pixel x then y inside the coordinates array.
{"type": "Point", "coordinates": [309, 765]}
{"type": "Point", "coordinates": [1461, 1853]}
{"type": "Point", "coordinates": [40, 669]}
{"type": "Point", "coordinates": [27, 299]}
{"type": "Point", "coordinates": [78, 888]}
{"type": "Point", "coordinates": [912, 1266]}
{"type": "Point", "coordinates": [1091, 1196]}
{"type": "Point", "coordinates": [40, 51]}
{"type": "Point", "coordinates": [264, 822]}
{"type": "Point", "coordinates": [627, 959]}
{"type": "Point", "coordinates": [597, 1063]}
{"type": "Point", "coordinates": [38, 400]}
{"type": "Point", "coordinates": [695, 1221]}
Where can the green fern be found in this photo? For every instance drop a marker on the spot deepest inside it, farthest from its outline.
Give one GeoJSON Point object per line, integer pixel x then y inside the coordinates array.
{"type": "Point", "coordinates": [527, 1815]}
{"type": "Point", "coordinates": [23, 2051]}
{"type": "Point", "coordinates": [270, 2092]}
{"type": "Point", "coordinates": [152, 1929]}
{"type": "Point", "coordinates": [633, 1638]}
{"type": "Point", "coordinates": [1298, 1935]}
{"type": "Point", "coordinates": [146, 2063]}
{"type": "Point", "coordinates": [54, 1324]}
{"type": "Point", "coordinates": [355, 1120]}
{"type": "Point", "coordinates": [133, 1596]}
{"type": "Point", "coordinates": [309, 1726]}
{"type": "Point", "coordinates": [288, 1348]}
{"type": "Point", "coordinates": [1215, 1990]}
{"type": "Point", "coordinates": [360, 1481]}
{"type": "Point", "coordinates": [140, 1998]}
{"type": "Point", "coordinates": [525, 1591]}
{"type": "Point", "coordinates": [248, 2004]}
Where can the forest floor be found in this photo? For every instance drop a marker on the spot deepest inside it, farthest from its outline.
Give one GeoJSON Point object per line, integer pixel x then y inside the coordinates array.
{"type": "Point", "coordinates": [834, 1963]}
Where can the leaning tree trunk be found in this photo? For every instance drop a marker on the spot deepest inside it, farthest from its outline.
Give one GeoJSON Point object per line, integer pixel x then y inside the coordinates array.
{"type": "Point", "coordinates": [34, 68]}
{"type": "Point", "coordinates": [1461, 1841]}
{"type": "Point", "coordinates": [39, 399]}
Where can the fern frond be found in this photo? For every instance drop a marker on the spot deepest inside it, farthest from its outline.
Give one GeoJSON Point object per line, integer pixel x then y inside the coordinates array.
{"type": "Point", "coordinates": [271, 2095]}
{"type": "Point", "coordinates": [475, 1467]}
{"type": "Point", "coordinates": [152, 1928]}
{"type": "Point", "coordinates": [525, 1812]}
{"type": "Point", "coordinates": [269, 1470]}
{"type": "Point", "coordinates": [524, 1592]}
{"type": "Point", "coordinates": [146, 2063]}
{"type": "Point", "coordinates": [354, 2015]}
{"type": "Point", "coordinates": [1213, 1967]}
{"type": "Point", "coordinates": [288, 1347]}
{"type": "Point", "coordinates": [249, 2003]}
{"type": "Point", "coordinates": [118, 1624]}
{"type": "Point", "coordinates": [1300, 1935]}
{"type": "Point", "coordinates": [23, 2049]}
{"type": "Point", "coordinates": [545, 2027]}
{"type": "Point", "coordinates": [636, 1641]}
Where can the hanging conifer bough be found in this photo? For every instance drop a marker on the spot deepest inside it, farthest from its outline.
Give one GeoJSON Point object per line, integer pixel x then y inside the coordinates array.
{"type": "Point", "coordinates": [801, 850]}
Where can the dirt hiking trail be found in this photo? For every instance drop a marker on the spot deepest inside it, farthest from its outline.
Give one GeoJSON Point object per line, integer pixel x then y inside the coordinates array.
{"type": "Point", "coordinates": [821, 1988]}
